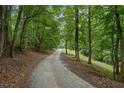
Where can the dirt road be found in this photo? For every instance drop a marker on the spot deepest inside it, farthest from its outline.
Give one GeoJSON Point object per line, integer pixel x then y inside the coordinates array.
{"type": "Point", "coordinates": [51, 73]}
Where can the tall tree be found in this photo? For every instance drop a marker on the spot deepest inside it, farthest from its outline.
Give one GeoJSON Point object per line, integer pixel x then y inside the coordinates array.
{"type": "Point", "coordinates": [76, 33]}
{"type": "Point", "coordinates": [4, 22]}
{"type": "Point", "coordinates": [120, 35]}
{"type": "Point", "coordinates": [116, 55]}
{"type": "Point", "coordinates": [1, 30]}
{"type": "Point", "coordinates": [16, 31]}
{"type": "Point", "coordinates": [112, 54]}
{"type": "Point", "coordinates": [66, 44]}
{"type": "Point", "coordinates": [0, 19]}
{"type": "Point", "coordinates": [90, 40]}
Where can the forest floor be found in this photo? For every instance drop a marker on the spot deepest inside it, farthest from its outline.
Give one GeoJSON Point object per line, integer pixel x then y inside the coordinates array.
{"type": "Point", "coordinates": [89, 73]}
{"type": "Point", "coordinates": [14, 72]}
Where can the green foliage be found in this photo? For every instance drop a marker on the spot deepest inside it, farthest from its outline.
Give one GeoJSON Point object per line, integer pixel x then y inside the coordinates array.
{"type": "Point", "coordinates": [52, 26]}
{"type": "Point", "coordinates": [41, 28]}
{"type": "Point", "coordinates": [103, 24]}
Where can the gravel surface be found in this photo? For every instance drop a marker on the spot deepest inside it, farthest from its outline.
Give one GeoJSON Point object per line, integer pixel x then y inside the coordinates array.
{"type": "Point", "coordinates": [51, 73]}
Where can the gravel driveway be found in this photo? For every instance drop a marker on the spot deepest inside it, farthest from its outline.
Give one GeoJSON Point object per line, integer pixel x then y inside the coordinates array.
{"type": "Point", "coordinates": [51, 73]}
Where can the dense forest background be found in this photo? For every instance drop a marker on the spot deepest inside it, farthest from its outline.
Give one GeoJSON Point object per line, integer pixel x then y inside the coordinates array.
{"type": "Point", "coordinates": [93, 31]}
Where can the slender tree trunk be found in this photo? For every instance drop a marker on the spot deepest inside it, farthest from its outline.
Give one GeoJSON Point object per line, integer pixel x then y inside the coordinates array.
{"type": "Point", "coordinates": [22, 39]}
{"type": "Point", "coordinates": [112, 53]}
{"type": "Point", "coordinates": [16, 31]}
{"type": "Point", "coordinates": [122, 59]}
{"type": "Point", "coordinates": [90, 41]}
{"type": "Point", "coordinates": [66, 43]}
{"type": "Point", "coordinates": [119, 32]}
{"type": "Point", "coordinates": [6, 27]}
{"type": "Point", "coordinates": [76, 33]}
{"type": "Point", "coordinates": [0, 22]}
{"type": "Point", "coordinates": [116, 56]}
{"type": "Point", "coordinates": [66, 51]}
{"type": "Point", "coordinates": [10, 26]}
{"type": "Point", "coordinates": [7, 15]}
{"type": "Point", "coordinates": [2, 31]}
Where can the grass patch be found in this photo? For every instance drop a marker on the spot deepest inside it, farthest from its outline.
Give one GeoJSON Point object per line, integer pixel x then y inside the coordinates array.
{"type": "Point", "coordinates": [103, 68]}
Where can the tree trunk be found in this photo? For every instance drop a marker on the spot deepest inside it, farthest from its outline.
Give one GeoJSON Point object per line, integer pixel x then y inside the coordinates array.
{"type": "Point", "coordinates": [90, 41]}
{"type": "Point", "coordinates": [7, 24]}
{"type": "Point", "coordinates": [22, 38]}
{"type": "Point", "coordinates": [66, 51]}
{"type": "Point", "coordinates": [116, 56]}
{"type": "Point", "coordinates": [16, 31]}
{"type": "Point", "coordinates": [0, 21]}
{"type": "Point", "coordinates": [112, 53]}
{"type": "Point", "coordinates": [122, 59]}
{"type": "Point", "coordinates": [6, 21]}
{"type": "Point", "coordinates": [76, 33]}
{"type": "Point", "coordinates": [2, 30]}
{"type": "Point", "coordinates": [119, 32]}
